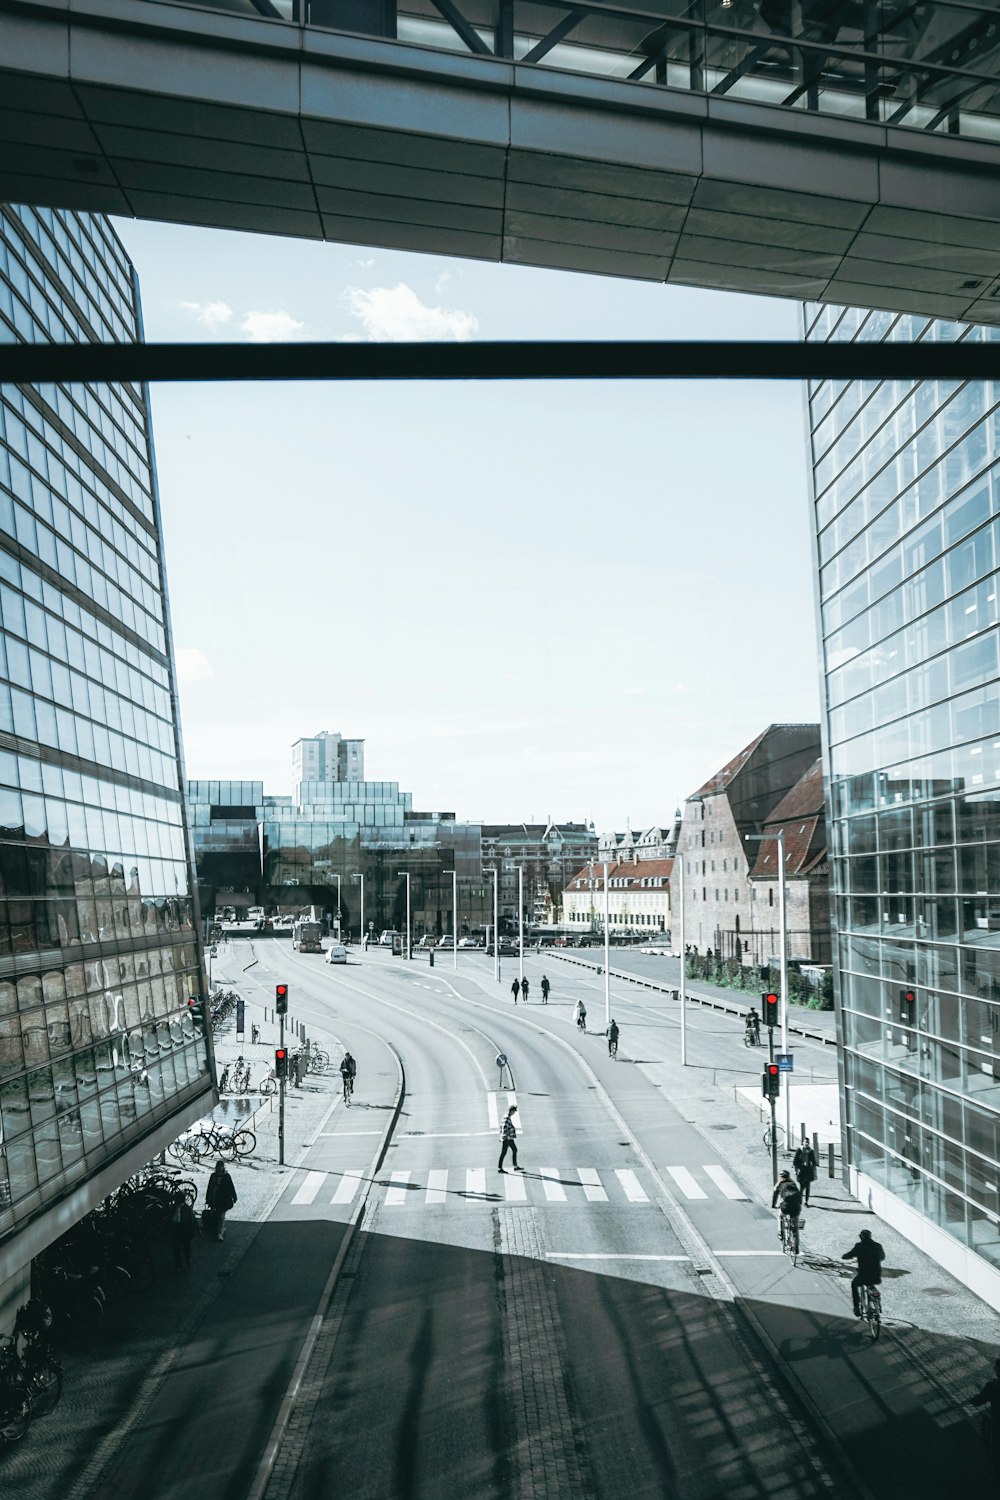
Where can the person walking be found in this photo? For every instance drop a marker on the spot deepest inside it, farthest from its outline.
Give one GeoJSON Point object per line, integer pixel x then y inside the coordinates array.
{"type": "Point", "coordinates": [255, 1034]}
{"type": "Point", "coordinates": [515, 990]}
{"type": "Point", "coordinates": [545, 990]}
{"type": "Point", "coordinates": [806, 1168]}
{"type": "Point", "coordinates": [524, 989]}
{"type": "Point", "coordinates": [220, 1195]}
{"type": "Point", "coordinates": [508, 1140]}
{"type": "Point", "coordinates": [613, 1038]}
{"type": "Point", "coordinates": [182, 1232]}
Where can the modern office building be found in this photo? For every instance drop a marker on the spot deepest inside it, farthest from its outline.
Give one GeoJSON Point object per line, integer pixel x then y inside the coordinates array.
{"type": "Point", "coordinates": [549, 855]}
{"type": "Point", "coordinates": [907, 521]}
{"type": "Point", "coordinates": [337, 846]}
{"type": "Point", "coordinates": [326, 757]}
{"type": "Point", "coordinates": [102, 1058]}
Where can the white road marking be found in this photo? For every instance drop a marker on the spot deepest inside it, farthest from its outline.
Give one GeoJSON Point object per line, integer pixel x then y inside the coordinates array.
{"type": "Point", "coordinates": [630, 1185]}
{"type": "Point", "coordinates": [554, 1190]}
{"type": "Point", "coordinates": [722, 1180]}
{"type": "Point", "coordinates": [397, 1193]}
{"type": "Point", "coordinates": [592, 1184]}
{"type": "Point", "coordinates": [311, 1184]}
{"type": "Point", "coordinates": [475, 1181]}
{"type": "Point", "coordinates": [437, 1182]}
{"type": "Point", "coordinates": [348, 1185]}
{"type": "Point", "coordinates": [608, 1255]}
{"type": "Point", "coordinates": [491, 1106]}
{"type": "Point", "coordinates": [429, 1135]}
{"type": "Point", "coordinates": [686, 1183]}
{"type": "Point", "coordinates": [339, 1134]}
{"type": "Point", "coordinates": [730, 1253]}
{"type": "Point", "coordinates": [515, 1188]}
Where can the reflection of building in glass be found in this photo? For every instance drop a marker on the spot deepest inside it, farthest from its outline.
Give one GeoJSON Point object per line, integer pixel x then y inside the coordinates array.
{"type": "Point", "coordinates": [290, 855]}
{"type": "Point", "coordinates": [102, 1061]}
{"type": "Point", "coordinates": [907, 511]}
{"type": "Point", "coordinates": [549, 853]}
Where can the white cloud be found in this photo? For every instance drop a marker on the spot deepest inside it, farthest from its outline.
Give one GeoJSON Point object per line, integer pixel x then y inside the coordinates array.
{"type": "Point", "coordinates": [397, 315]}
{"type": "Point", "coordinates": [192, 664]}
{"type": "Point", "coordinates": [211, 315]}
{"type": "Point", "coordinates": [365, 264]}
{"type": "Point", "coordinates": [271, 327]}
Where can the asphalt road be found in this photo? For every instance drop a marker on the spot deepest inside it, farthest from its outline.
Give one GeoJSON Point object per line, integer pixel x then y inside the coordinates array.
{"type": "Point", "coordinates": [616, 1320]}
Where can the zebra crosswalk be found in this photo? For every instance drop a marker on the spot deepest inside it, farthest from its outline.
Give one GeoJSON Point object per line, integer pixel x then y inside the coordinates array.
{"type": "Point", "coordinates": [543, 1186]}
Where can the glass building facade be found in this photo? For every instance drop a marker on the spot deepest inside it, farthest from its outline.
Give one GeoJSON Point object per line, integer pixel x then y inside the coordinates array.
{"type": "Point", "coordinates": [288, 855]}
{"type": "Point", "coordinates": [102, 1058]}
{"type": "Point", "coordinates": [907, 523]}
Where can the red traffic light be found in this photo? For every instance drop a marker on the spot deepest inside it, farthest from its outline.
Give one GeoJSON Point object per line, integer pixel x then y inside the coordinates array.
{"type": "Point", "coordinates": [281, 1061]}
{"type": "Point", "coordinates": [771, 1081]}
{"type": "Point", "coordinates": [770, 1006]}
{"type": "Point", "coordinates": [908, 997]}
{"type": "Point", "coordinates": [281, 999]}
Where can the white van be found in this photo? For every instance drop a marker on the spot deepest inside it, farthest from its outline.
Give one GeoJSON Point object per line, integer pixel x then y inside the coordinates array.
{"type": "Point", "coordinates": [336, 954]}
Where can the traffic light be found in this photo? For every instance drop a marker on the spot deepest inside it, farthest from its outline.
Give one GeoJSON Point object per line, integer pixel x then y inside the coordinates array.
{"type": "Point", "coordinates": [771, 1083]}
{"type": "Point", "coordinates": [281, 1062]}
{"type": "Point", "coordinates": [281, 999]}
{"type": "Point", "coordinates": [908, 1007]}
{"type": "Point", "coordinates": [770, 1007]}
{"type": "Point", "coordinates": [193, 1004]}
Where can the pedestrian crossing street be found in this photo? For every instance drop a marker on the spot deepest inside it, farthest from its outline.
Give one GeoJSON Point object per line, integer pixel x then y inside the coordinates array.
{"type": "Point", "coordinates": [455, 1186]}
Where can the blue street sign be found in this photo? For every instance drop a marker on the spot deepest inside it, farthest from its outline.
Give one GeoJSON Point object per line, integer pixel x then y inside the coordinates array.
{"type": "Point", "coordinates": [785, 1061]}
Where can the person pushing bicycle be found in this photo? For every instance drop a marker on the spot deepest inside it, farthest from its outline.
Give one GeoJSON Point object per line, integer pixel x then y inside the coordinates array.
{"type": "Point", "coordinates": [869, 1255]}
{"type": "Point", "coordinates": [787, 1198]}
{"type": "Point", "coordinates": [753, 1027]}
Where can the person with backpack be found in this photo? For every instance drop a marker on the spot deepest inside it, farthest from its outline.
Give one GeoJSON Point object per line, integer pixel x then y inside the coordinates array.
{"type": "Point", "coordinates": [220, 1195]}
{"type": "Point", "coordinates": [869, 1255]}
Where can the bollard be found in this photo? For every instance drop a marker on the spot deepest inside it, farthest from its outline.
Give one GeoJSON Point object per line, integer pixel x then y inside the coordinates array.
{"type": "Point", "coordinates": [831, 1159]}
{"type": "Point", "coordinates": [430, 955]}
{"type": "Point", "coordinates": [816, 1147]}
{"type": "Point", "coordinates": [803, 1133]}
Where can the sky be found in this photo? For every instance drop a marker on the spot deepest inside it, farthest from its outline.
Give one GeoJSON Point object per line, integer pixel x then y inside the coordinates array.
{"type": "Point", "coordinates": [532, 601]}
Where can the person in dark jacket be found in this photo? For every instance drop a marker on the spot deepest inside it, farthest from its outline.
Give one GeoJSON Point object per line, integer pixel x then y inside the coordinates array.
{"type": "Point", "coordinates": [508, 1140]}
{"type": "Point", "coordinates": [545, 990]}
{"type": "Point", "coordinates": [524, 989]}
{"type": "Point", "coordinates": [220, 1195]}
{"type": "Point", "coordinates": [183, 1228]}
{"type": "Point", "coordinates": [869, 1255]}
{"type": "Point", "coordinates": [805, 1164]}
{"type": "Point", "coordinates": [515, 990]}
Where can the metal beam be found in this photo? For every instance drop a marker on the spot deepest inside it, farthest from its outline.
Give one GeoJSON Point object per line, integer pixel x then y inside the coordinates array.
{"type": "Point", "coordinates": [548, 360]}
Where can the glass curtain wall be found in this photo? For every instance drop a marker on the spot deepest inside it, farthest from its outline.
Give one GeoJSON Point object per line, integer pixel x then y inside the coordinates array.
{"type": "Point", "coordinates": [99, 1045]}
{"type": "Point", "coordinates": [907, 513]}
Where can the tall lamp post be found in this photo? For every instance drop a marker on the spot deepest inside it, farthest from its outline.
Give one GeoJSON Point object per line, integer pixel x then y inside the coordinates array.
{"type": "Point", "coordinates": [520, 922]}
{"type": "Point", "coordinates": [760, 838]}
{"type": "Point", "coordinates": [496, 918]}
{"type": "Point", "coordinates": [607, 951]}
{"type": "Point", "coordinates": [680, 861]}
{"type": "Point", "coordinates": [406, 876]}
{"type": "Point", "coordinates": [337, 879]}
{"type": "Point", "coordinates": [361, 933]}
{"type": "Point", "coordinates": [454, 919]}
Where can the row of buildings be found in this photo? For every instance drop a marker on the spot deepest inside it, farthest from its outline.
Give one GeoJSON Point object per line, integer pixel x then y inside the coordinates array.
{"type": "Point", "coordinates": [103, 1059]}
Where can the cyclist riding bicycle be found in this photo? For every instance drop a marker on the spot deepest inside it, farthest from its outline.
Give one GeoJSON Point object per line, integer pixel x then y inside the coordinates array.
{"type": "Point", "coordinates": [348, 1070]}
{"type": "Point", "coordinates": [869, 1255]}
{"type": "Point", "coordinates": [580, 1015]}
{"type": "Point", "coordinates": [753, 1027]}
{"type": "Point", "coordinates": [613, 1038]}
{"type": "Point", "coordinates": [787, 1198]}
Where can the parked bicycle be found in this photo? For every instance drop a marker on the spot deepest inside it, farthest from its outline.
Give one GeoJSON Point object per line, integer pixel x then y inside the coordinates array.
{"type": "Point", "coordinates": [15, 1396]}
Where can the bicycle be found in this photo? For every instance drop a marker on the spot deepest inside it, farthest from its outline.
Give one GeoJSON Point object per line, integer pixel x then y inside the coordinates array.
{"type": "Point", "coordinates": [778, 1137]}
{"type": "Point", "coordinates": [613, 1047]}
{"type": "Point", "coordinates": [751, 1037]}
{"type": "Point", "coordinates": [348, 1088]}
{"type": "Point", "coordinates": [790, 1236]}
{"type": "Point", "coordinates": [15, 1396]}
{"type": "Point", "coordinates": [871, 1308]}
{"type": "Point", "coordinates": [268, 1084]}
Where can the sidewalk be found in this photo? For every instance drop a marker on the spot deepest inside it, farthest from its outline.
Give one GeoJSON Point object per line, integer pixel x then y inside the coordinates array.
{"type": "Point", "coordinates": [113, 1373]}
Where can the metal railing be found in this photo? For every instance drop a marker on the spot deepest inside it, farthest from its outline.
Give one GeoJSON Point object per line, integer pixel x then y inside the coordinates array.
{"type": "Point", "coordinates": [932, 67]}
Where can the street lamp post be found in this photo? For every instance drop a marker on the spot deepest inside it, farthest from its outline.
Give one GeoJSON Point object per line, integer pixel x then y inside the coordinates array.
{"type": "Point", "coordinates": [496, 918]}
{"type": "Point", "coordinates": [406, 876]}
{"type": "Point", "coordinates": [361, 933]}
{"type": "Point", "coordinates": [680, 859]}
{"type": "Point", "coordinates": [454, 919]}
{"type": "Point", "coordinates": [337, 879]}
{"type": "Point", "coordinates": [520, 923]}
{"type": "Point", "coordinates": [759, 838]}
{"type": "Point", "coordinates": [607, 951]}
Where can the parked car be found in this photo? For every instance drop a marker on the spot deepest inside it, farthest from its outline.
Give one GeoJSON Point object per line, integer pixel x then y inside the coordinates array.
{"type": "Point", "coordinates": [336, 954]}
{"type": "Point", "coordinates": [470, 942]}
{"type": "Point", "coordinates": [428, 941]}
{"type": "Point", "coordinates": [447, 941]}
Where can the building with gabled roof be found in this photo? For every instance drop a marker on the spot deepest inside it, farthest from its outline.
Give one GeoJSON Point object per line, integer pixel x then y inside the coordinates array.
{"type": "Point", "coordinates": [729, 876]}
{"type": "Point", "coordinates": [638, 898]}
